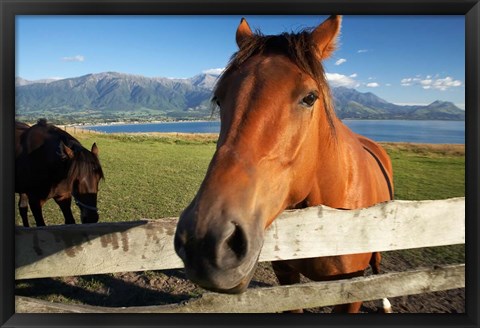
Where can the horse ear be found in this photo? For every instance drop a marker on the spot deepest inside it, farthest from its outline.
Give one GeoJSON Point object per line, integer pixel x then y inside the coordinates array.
{"type": "Point", "coordinates": [66, 152]}
{"type": "Point", "coordinates": [325, 36]}
{"type": "Point", "coordinates": [95, 149]}
{"type": "Point", "coordinates": [243, 33]}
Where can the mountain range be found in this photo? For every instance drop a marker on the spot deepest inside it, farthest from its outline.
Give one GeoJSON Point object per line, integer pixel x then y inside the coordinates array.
{"type": "Point", "coordinates": [113, 96]}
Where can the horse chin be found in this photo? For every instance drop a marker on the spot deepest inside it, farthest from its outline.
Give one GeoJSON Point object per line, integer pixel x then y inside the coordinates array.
{"type": "Point", "coordinates": [217, 282]}
{"type": "Point", "coordinates": [239, 288]}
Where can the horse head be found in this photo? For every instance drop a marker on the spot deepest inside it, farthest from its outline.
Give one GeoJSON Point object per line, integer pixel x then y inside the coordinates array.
{"type": "Point", "coordinates": [276, 112]}
{"type": "Point", "coordinates": [85, 173]}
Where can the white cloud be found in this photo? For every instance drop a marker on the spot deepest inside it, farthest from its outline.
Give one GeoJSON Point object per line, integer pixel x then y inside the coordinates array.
{"type": "Point", "coordinates": [361, 51]}
{"type": "Point", "coordinates": [340, 61]}
{"type": "Point", "coordinates": [408, 81]}
{"type": "Point", "coordinates": [428, 83]}
{"type": "Point", "coordinates": [339, 80]}
{"type": "Point", "coordinates": [214, 71]}
{"type": "Point", "coordinates": [353, 75]}
{"type": "Point", "coordinates": [373, 85]}
{"type": "Point", "coordinates": [444, 84]}
{"type": "Point", "coordinates": [77, 58]}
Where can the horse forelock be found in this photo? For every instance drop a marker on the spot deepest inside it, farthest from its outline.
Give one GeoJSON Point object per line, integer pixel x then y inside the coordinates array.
{"type": "Point", "coordinates": [84, 164]}
{"type": "Point", "coordinates": [299, 48]}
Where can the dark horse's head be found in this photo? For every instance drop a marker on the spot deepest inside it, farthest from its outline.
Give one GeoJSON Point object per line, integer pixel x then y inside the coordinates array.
{"type": "Point", "coordinates": [84, 175]}
{"type": "Point", "coordinates": [276, 112]}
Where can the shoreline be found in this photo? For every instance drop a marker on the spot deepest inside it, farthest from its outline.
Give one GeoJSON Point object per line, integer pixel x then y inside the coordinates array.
{"type": "Point", "coordinates": [402, 130]}
{"type": "Point", "coordinates": [217, 120]}
{"type": "Point", "coordinates": [135, 123]}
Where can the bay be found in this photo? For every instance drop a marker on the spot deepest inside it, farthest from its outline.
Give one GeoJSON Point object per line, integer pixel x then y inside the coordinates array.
{"type": "Point", "coordinates": [436, 132]}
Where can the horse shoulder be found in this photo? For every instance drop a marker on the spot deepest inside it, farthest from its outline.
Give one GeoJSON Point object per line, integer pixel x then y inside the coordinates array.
{"type": "Point", "coordinates": [379, 152]}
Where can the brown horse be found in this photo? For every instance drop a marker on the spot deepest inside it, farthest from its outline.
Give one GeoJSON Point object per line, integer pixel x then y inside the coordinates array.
{"type": "Point", "coordinates": [280, 147]}
{"type": "Point", "coordinates": [50, 163]}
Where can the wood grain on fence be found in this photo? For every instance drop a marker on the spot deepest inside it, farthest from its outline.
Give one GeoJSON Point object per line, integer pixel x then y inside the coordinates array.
{"type": "Point", "coordinates": [317, 231]}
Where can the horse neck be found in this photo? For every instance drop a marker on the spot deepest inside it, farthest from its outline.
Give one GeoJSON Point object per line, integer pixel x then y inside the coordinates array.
{"type": "Point", "coordinates": [336, 167]}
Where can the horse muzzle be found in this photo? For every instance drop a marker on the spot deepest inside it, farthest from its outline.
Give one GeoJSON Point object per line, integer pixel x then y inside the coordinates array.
{"type": "Point", "coordinates": [88, 216]}
{"type": "Point", "coordinates": [88, 207]}
{"type": "Point", "coordinates": [220, 258]}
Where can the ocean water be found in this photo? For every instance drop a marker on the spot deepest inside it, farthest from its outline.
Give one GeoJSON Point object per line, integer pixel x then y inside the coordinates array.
{"type": "Point", "coordinates": [437, 132]}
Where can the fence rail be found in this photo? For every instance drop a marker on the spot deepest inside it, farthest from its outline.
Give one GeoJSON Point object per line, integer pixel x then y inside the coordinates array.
{"type": "Point", "coordinates": [317, 231]}
{"type": "Point", "coordinates": [284, 298]}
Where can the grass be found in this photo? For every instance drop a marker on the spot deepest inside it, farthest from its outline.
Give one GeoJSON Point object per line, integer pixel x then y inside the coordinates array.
{"type": "Point", "coordinates": [150, 178]}
{"type": "Point", "coordinates": [427, 171]}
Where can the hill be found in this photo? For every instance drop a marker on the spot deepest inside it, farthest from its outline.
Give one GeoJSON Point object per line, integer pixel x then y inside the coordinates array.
{"type": "Point", "coordinates": [352, 104]}
{"type": "Point", "coordinates": [112, 96]}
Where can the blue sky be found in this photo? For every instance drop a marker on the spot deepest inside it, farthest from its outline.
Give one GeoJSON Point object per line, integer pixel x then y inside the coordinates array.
{"type": "Point", "coordinates": [403, 59]}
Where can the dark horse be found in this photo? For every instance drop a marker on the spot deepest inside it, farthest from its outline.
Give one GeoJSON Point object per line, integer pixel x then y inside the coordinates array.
{"type": "Point", "coordinates": [50, 163]}
{"type": "Point", "coordinates": [280, 147]}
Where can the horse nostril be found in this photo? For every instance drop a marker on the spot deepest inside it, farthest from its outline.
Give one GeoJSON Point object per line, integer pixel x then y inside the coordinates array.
{"type": "Point", "coordinates": [237, 241]}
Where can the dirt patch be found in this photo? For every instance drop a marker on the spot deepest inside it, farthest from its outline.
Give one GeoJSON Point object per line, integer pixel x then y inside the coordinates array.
{"type": "Point", "coordinates": [427, 149]}
{"type": "Point", "coordinates": [171, 286]}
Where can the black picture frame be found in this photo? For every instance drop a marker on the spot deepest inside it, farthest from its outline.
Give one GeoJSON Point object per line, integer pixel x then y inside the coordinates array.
{"type": "Point", "coordinates": [9, 9]}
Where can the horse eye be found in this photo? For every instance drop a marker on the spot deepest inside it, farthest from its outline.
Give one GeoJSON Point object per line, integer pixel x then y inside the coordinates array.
{"type": "Point", "coordinates": [309, 99]}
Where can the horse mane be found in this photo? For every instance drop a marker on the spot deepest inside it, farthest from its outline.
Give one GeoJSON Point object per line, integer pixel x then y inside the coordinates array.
{"type": "Point", "coordinates": [299, 48]}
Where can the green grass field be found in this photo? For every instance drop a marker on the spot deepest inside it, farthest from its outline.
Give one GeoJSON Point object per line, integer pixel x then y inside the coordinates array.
{"type": "Point", "coordinates": [155, 176]}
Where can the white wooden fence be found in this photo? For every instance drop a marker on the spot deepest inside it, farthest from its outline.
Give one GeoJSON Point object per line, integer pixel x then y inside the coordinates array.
{"type": "Point", "coordinates": [317, 231]}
